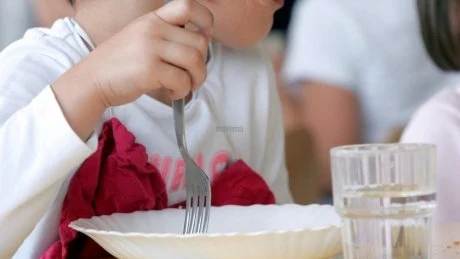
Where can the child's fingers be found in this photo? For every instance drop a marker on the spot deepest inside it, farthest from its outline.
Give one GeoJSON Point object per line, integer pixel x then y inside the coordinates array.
{"type": "Point", "coordinates": [185, 57]}
{"type": "Point", "coordinates": [181, 12]}
{"type": "Point", "coordinates": [192, 39]}
{"type": "Point", "coordinates": [175, 79]}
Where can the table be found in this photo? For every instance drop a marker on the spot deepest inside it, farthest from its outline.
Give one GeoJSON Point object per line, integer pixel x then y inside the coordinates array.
{"type": "Point", "coordinates": [446, 241]}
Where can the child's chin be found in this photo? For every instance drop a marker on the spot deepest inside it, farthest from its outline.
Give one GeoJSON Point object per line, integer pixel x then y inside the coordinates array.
{"type": "Point", "coordinates": [243, 42]}
{"type": "Point", "coordinates": [241, 46]}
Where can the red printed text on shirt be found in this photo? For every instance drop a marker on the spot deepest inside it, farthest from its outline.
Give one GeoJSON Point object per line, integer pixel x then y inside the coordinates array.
{"type": "Point", "coordinates": [173, 169]}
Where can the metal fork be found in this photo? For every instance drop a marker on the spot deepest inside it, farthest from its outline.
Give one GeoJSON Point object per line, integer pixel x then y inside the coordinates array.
{"type": "Point", "coordinates": [198, 203]}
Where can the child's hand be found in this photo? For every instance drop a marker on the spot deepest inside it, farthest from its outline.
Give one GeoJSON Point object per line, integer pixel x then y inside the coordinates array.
{"type": "Point", "coordinates": [155, 51]}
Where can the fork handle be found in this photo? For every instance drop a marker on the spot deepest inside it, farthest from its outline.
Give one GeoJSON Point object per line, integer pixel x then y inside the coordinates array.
{"type": "Point", "coordinates": [179, 125]}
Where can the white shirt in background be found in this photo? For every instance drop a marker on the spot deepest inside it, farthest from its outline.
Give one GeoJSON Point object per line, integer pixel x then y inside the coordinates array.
{"type": "Point", "coordinates": [236, 114]}
{"type": "Point", "coordinates": [438, 122]}
{"type": "Point", "coordinates": [372, 48]}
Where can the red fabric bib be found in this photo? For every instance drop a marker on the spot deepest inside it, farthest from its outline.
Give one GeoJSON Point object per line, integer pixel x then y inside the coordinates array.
{"type": "Point", "coordinates": [118, 178]}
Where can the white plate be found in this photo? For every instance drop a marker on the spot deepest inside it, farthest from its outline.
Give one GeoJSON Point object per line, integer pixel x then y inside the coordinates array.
{"type": "Point", "coordinates": [268, 232]}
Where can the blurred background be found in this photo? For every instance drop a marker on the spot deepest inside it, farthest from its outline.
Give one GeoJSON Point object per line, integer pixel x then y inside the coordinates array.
{"type": "Point", "coordinates": [348, 72]}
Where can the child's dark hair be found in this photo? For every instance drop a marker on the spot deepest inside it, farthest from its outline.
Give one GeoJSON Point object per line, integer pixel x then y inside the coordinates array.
{"type": "Point", "coordinates": [440, 25]}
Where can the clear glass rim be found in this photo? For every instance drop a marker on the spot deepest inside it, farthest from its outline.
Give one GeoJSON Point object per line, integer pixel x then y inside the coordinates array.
{"type": "Point", "coordinates": [385, 148]}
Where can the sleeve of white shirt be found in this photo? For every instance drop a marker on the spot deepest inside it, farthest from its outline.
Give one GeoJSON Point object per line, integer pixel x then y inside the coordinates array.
{"type": "Point", "coordinates": [323, 45]}
{"type": "Point", "coordinates": [438, 122]}
{"type": "Point", "coordinates": [38, 148]}
{"type": "Point", "coordinates": [274, 165]}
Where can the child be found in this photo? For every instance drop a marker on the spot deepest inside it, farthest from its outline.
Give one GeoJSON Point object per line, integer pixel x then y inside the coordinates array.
{"type": "Point", "coordinates": [127, 59]}
{"type": "Point", "coordinates": [438, 120]}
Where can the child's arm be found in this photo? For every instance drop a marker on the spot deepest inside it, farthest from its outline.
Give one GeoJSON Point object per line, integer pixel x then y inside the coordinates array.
{"type": "Point", "coordinates": [153, 52]}
{"type": "Point", "coordinates": [43, 130]}
{"type": "Point", "coordinates": [38, 151]}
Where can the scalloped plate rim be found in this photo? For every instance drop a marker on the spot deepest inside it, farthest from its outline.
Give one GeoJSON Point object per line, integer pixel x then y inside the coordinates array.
{"type": "Point", "coordinates": [74, 225]}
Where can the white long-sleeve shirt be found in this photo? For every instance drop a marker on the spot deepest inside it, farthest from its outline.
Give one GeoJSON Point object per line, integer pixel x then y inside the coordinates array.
{"type": "Point", "coordinates": [235, 115]}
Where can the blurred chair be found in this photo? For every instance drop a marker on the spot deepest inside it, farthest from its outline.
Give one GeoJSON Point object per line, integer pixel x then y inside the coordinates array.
{"type": "Point", "coordinates": [300, 162]}
{"type": "Point", "coordinates": [395, 135]}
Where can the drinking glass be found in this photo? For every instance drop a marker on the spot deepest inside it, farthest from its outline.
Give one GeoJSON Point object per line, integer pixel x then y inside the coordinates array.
{"type": "Point", "coordinates": [386, 196]}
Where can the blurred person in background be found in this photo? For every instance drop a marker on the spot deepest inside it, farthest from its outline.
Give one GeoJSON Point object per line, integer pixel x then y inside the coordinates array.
{"type": "Point", "coordinates": [438, 120]}
{"type": "Point", "coordinates": [360, 70]}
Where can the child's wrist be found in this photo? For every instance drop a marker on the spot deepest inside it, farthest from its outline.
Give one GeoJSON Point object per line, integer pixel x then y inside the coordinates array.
{"type": "Point", "coordinates": [90, 87]}
{"type": "Point", "coordinates": [78, 97]}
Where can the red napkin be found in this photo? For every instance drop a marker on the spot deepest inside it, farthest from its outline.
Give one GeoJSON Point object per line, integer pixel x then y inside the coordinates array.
{"type": "Point", "coordinates": [239, 185]}
{"type": "Point", "coordinates": [117, 178]}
